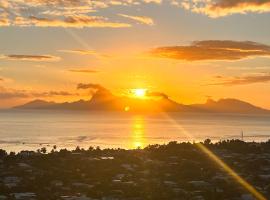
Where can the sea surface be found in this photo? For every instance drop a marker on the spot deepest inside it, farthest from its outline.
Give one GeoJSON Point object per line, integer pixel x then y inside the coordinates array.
{"type": "Point", "coordinates": [30, 130]}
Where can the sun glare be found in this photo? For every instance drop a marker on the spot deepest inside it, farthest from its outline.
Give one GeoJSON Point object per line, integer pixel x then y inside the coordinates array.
{"type": "Point", "coordinates": [138, 132]}
{"type": "Point", "coordinates": [139, 92]}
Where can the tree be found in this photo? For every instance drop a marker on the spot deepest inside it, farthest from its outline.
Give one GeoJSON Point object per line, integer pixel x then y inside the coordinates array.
{"type": "Point", "coordinates": [43, 150]}
{"type": "Point", "coordinates": [207, 141]}
{"type": "Point", "coordinates": [12, 153]}
{"type": "Point", "coordinates": [3, 153]}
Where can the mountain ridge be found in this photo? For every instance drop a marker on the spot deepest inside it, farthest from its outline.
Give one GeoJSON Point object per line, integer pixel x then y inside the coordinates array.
{"type": "Point", "coordinates": [103, 100]}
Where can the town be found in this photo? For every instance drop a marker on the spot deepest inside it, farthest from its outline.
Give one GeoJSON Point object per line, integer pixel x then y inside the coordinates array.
{"type": "Point", "coordinates": [169, 171]}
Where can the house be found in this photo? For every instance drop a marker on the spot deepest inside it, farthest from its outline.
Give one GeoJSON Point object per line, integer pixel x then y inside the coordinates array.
{"type": "Point", "coordinates": [199, 184]}
{"type": "Point", "coordinates": [3, 197]}
{"type": "Point", "coordinates": [11, 181]}
{"type": "Point", "coordinates": [247, 197]}
{"type": "Point", "coordinates": [24, 196]}
{"type": "Point", "coordinates": [76, 198]}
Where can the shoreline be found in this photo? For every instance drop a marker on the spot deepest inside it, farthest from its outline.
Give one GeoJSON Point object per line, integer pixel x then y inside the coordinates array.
{"type": "Point", "coordinates": [28, 130]}
{"type": "Point", "coordinates": [70, 146]}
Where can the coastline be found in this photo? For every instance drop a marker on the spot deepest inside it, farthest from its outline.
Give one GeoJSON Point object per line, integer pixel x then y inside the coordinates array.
{"type": "Point", "coordinates": [112, 143]}
{"type": "Point", "coordinates": [32, 130]}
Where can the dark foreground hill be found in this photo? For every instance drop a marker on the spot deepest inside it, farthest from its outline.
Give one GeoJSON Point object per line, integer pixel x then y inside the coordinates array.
{"type": "Point", "coordinates": [158, 172]}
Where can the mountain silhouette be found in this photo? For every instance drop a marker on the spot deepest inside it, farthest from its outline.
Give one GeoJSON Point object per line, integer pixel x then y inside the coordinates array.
{"type": "Point", "coordinates": [36, 104]}
{"type": "Point", "coordinates": [230, 106]}
{"type": "Point", "coordinates": [104, 100]}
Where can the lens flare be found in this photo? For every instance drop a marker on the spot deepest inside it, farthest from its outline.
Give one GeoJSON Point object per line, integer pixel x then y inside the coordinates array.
{"type": "Point", "coordinates": [213, 157]}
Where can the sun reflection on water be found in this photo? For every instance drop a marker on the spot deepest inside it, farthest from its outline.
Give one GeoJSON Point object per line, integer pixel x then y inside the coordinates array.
{"type": "Point", "coordinates": [138, 132]}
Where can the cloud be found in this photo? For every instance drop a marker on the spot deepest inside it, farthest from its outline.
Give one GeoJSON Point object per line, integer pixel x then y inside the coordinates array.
{"type": "Point", "coordinates": [244, 80]}
{"type": "Point", "coordinates": [95, 89]}
{"type": "Point", "coordinates": [213, 50]}
{"type": "Point", "coordinates": [54, 93]}
{"type": "Point", "coordinates": [90, 86]}
{"type": "Point", "coordinates": [219, 8]}
{"type": "Point", "coordinates": [44, 58]}
{"type": "Point", "coordinates": [10, 93]}
{"type": "Point", "coordinates": [4, 21]}
{"type": "Point", "coordinates": [64, 13]}
{"type": "Point", "coordinates": [89, 71]}
{"type": "Point", "coordinates": [140, 19]}
{"type": "Point", "coordinates": [157, 94]}
{"type": "Point", "coordinates": [5, 79]}
{"type": "Point", "coordinates": [152, 1]}
{"type": "Point", "coordinates": [67, 11]}
{"type": "Point", "coordinates": [92, 3]}
{"type": "Point", "coordinates": [86, 52]}
{"type": "Point", "coordinates": [76, 21]}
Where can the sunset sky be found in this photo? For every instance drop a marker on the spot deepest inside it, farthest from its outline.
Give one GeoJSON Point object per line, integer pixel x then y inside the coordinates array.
{"type": "Point", "coordinates": [189, 49]}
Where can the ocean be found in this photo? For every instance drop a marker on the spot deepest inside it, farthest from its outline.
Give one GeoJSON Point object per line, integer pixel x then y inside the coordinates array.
{"type": "Point", "coordinates": [30, 130]}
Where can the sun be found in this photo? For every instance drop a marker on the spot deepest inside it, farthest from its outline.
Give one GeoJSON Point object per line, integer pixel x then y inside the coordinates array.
{"type": "Point", "coordinates": [139, 92]}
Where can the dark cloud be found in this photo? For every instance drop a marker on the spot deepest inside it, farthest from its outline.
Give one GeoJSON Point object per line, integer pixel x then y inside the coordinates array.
{"type": "Point", "coordinates": [235, 3]}
{"type": "Point", "coordinates": [244, 80]}
{"type": "Point", "coordinates": [31, 57]}
{"type": "Point", "coordinates": [90, 86]}
{"type": "Point", "coordinates": [10, 93]}
{"type": "Point", "coordinates": [219, 8]}
{"type": "Point", "coordinates": [157, 94]}
{"type": "Point", "coordinates": [213, 50]}
{"type": "Point", "coordinates": [96, 90]}
{"type": "Point", "coordinates": [55, 93]}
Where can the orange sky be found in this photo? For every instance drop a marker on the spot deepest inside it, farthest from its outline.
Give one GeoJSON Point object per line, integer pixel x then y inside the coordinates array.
{"type": "Point", "coordinates": [191, 52]}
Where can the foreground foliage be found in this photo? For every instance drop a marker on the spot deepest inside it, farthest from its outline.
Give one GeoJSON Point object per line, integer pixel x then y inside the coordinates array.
{"type": "Point", "coordinates": [172, 171]}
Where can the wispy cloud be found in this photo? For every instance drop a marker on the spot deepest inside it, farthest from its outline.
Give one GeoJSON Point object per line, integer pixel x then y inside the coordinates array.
{"type": "Point", "coordinates": [87, 71]}
{"type": "Point", "coordinates": [213, 50]}
{"type": "Point", "coordinates": [218, 8]}
{"type": "Point", "coordinates": [44, 58]}
{"type": "Point", "coordinates": [10, 93]}
{"type": "Point", "coordinates": [242, 80]}
{"type": "Point", "coordinates": [69, 11]}
{"type": "Point", "coordinates": [75, 13]}
{"type": "Point", "coordinates": [85, 52]}
{"type": "Point", "coordinates": [76, 21]}
{"type": "Point", "coordinates": [64, 13]}
{"type": "Point", "coordinates": [4, 79]}
{"type": "Point", "coordinates": [139, 19]}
